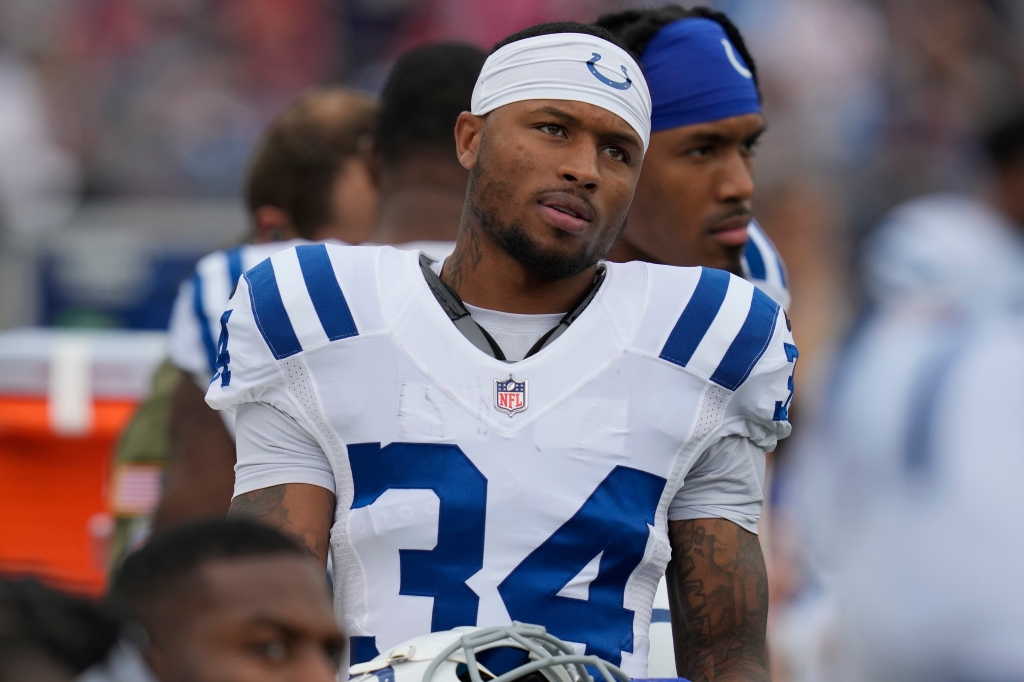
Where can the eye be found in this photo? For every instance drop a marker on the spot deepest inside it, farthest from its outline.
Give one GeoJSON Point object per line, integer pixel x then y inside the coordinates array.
{"type": "Point", "coordinates": [749, 147]}
{"type": "Point", "coordinates": [274, 650]}
{"type": "Point", "coordinates": [552, 129]}
{"type": "Point", "coordinates": [702, 151]}
{"type": "Point", "coordinates": [617, 153]}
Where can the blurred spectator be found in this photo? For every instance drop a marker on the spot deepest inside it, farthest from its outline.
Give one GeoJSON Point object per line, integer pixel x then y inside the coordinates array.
{"type": "Point", "coordinates": [168, 98]}
{"type": "Point", "coordinates": [38, 180]}
{"type": "Point", "coordinates": [222, 600]}
{"type": "Point", "coordinates": [46, 636]}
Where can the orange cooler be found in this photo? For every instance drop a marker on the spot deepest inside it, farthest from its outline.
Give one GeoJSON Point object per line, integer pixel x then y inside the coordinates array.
{"type": "Point", "coordinates": [65, 397]}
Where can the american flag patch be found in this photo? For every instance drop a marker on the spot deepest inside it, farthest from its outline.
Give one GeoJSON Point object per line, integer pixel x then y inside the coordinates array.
{"type": "Point", "coordinates": [136, 489]}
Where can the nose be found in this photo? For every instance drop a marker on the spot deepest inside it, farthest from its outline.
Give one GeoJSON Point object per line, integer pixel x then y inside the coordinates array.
{"type": "Point", "coordinates": [579, 165]}
{"type": "Point", "coordinates": [736, 182]}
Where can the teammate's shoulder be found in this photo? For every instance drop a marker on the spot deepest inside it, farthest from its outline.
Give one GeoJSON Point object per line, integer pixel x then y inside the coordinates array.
{"type": "Point", "coordinates": [762, 265]}
{"type": "Point", "coordinates": [708, 321]}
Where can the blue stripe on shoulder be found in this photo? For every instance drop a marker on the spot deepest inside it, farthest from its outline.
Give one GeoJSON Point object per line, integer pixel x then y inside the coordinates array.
{"type": "Point", "coordinates": [204, 324]}
{"type": "Point", "coordinates": [755, 261]}
{"type": "Point", "coordinates": [325, 292]}
{"type": "Point", "coordinates": [750, 343]}
{"type": "Point", "coordinates": [269, 311]}
{"type": "Point", "coordinates": [234, 266]}
{"type": "Point", "coordinates": [697, 316]}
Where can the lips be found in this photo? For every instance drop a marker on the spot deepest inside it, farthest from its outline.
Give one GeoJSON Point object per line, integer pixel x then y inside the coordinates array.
{"type": "Point", "coordinates": [731, 231]}
{"type": "Point", "coordinates": [566, 212]}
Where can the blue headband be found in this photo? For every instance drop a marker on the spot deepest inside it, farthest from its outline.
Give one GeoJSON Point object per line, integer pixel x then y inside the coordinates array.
{"type": "Point", "coordinates": [695, 75]}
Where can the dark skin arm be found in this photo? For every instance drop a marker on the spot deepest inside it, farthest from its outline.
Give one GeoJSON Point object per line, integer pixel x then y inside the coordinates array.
{"type": "Point", "coordinates": [718, 599]}
{"type": "Point", "coordinates": [303, 512]}
{"type": "Point", "coordinates": [201, 470]}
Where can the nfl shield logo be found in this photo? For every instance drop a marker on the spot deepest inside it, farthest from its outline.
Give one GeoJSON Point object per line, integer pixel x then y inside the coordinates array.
{"type": "Point", "coordinates": [510, 395]}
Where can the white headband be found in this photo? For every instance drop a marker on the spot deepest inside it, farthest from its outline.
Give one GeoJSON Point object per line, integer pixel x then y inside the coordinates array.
{"type": "Point", "coordinates": [571, 66]}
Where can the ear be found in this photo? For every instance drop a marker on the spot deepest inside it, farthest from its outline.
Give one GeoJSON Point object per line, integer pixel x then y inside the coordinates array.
{"type": "Point", "coordinates": [469, 130]}
{"type": "Point", "coordinates": [273, 225]}
{"type": "Point", "coordinates": [366, 150]}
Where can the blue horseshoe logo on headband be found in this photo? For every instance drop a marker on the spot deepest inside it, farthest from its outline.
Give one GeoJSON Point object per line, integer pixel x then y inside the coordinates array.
{"type": "Point", "coordinates": [604, 79]}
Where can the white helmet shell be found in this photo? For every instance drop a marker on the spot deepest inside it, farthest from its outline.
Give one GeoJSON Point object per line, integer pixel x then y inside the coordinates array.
{"type": "Point", "coordinates": [452, 656]}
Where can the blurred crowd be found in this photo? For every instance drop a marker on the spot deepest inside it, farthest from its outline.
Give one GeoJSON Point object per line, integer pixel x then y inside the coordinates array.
{"type": "Point", "coordinates": [869, 101]}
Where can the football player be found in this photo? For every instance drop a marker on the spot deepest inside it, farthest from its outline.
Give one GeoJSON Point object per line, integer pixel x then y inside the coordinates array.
{"type": "Point", "coordinates": [522, 432]}
{"type": "Point", "coordinates": [912, 525]}
{"type": "Point", "coordinates": [422, 185]}
{"type": "Point", "coordinates": [306, 182]}
{"type": "Point", "coordinates": [693, 200]}
{"type": "Point", "coordinates": [221, 600]}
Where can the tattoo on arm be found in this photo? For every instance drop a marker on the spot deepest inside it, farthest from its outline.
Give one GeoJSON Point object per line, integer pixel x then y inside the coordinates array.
{"type": "Point", "coordinates": [718, 598]}
{"type": "Point", "coordinates": [304, 513]}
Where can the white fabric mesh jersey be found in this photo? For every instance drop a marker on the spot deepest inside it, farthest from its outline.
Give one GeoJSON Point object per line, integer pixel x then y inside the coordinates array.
{"type": "Point", "coordinates": [472, 491]}
{"type": "Point", "coordinates": [195, 321]}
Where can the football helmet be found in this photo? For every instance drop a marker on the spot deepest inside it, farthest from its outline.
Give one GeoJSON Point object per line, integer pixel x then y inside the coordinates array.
{"type": "Point", "coordinates": [525, 653]}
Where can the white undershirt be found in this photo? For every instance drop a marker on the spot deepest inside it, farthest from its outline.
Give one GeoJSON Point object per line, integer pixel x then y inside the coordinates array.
{"type": "Point", "coordinates": [514, 332]}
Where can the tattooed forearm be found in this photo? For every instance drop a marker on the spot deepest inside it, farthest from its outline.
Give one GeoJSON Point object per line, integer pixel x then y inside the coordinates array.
{"type": "Point", "coordinates": [718, 598]}
{"type": "Point", "coordinates": [302, 512]}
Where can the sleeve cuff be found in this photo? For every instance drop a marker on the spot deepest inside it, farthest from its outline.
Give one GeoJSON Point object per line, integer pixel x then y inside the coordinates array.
{"type": "Point", "coordinates": [246, 482]}
{"type": "Point", "coordinates": [744, 520]}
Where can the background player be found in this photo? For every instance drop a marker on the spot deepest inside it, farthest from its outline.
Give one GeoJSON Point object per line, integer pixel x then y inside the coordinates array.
{"type": "Point", "coordinates": [420, 182]}
{"type": "Point", "coordinates": [374, 406]}
{"type": "Point", "coordinates": [220, 600]}
{"type": "Point", "coordinates": [693, 201]}
{"type": "Point", "coordinates": [306, 182]}
{"type": "Point", "coordinates": [422, 185]}
{"type": "Point", "coordinates": [911, 525]}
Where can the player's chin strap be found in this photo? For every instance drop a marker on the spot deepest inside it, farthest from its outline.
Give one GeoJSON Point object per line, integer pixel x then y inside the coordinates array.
{"type": "Point", "coordinates": [477, 335]}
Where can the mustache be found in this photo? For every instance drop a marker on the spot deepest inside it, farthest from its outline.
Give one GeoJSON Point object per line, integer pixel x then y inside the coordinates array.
{"type": "Point", "coordinates": [742, 210]}
{"type": "Point", "coordinates": [568, 189]}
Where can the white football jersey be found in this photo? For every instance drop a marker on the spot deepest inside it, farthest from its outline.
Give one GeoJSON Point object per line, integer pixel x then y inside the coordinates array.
{"type": "Point", "coordinates": [763, 267]}
{"type": "Point", "coordinates": [195, 320]}
{"type": "Point", "coordinates": [194, 328]}
{"type": "Point", "coordinates": [472, 491]}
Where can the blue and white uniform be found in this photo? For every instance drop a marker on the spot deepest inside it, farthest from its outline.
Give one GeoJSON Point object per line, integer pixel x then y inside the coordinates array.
{"type": "Point", "coordinates": [195, 321]}
{"type": "Point", "coordinates": [908, 482]}
{"type": "Point", "coordinates": [472, 491]}
{"type": "Point", "coordinates": [763, 267]}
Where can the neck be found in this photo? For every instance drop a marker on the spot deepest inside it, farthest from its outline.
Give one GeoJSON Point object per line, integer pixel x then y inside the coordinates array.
{"type": "Point", "coordinates": [484, 275]}
{"type": "Point", "coordinates": [420, 200]}
{"type": "Point", "coordinates": [623, 251]}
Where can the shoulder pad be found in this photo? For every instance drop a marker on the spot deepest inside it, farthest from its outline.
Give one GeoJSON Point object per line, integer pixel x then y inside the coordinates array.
{"type": "Point", "coordinates": [297, 301]}
{"type": "Point", "coordinates": [723, 328]}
